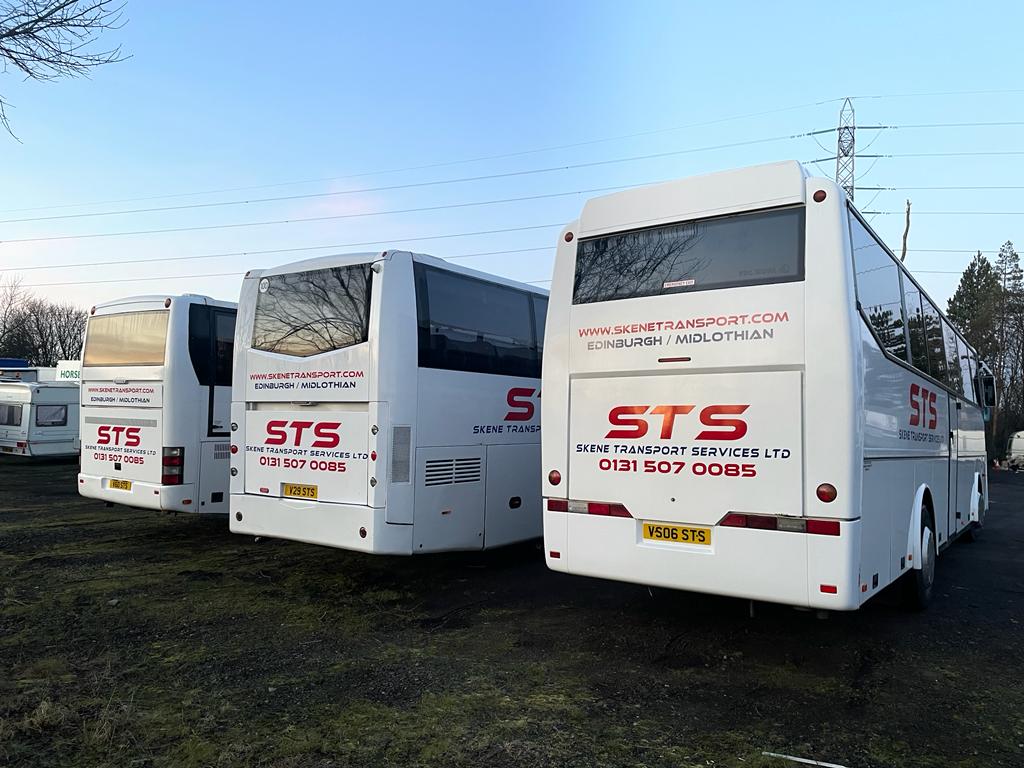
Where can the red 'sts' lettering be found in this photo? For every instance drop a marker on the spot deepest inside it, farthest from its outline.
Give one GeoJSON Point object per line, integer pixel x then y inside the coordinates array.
{"type": "Point", "coordinates": [668, 417]}
{"type": "Point", "coordinates": [727, 429]}
{"type": "Point", "coordinates": [522, 408]}
{"type": "Point", "coordinates": [111, 435]}
{"type": "Point", "coordinates": [635, 427]}
{"type": "Point", "coordinates": [327, 435]}
{"type": "Point", "coordinates": [275, 432]}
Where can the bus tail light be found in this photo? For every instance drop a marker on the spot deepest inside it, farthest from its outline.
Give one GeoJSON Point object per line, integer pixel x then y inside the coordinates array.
{"type": "Point", "coordinates": [554, 477]}
{"type": "Point", "coordinates": [600, 508]}
{"type": "Point", "coordinates": [786, 524]}
{"type": "Point", "coordinates": [826, 492]}
{"type": "Point", "coordinates": [20, 444]}
{"type": "Point", "coordinates": [823, 527]}
{"type": "Point", "coordinates": [606, 509]}
{"type": "Point", "coordinates": [173, 461]}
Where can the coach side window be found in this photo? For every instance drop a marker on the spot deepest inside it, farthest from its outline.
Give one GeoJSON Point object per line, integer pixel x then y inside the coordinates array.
{"type": "Point", "coordinates": [915, 324]}
{"type": "Point", "coordinates": [540, 317]}
{"type": "Point", "coordinates": [472, 325]}
{"type": "Point", "coordinates": [878, 290]}
{"type": "Point", "coordinates": [952, 363]}
{"type": "Point", "coordinates": [223, 346]}
{"type": "Point", "coordinates": [933, 340]}
{"type": "Point", "coordinates": [965, 368]}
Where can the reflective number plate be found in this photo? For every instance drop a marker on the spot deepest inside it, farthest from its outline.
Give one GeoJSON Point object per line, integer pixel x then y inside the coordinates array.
{"type": "Point", "coordinates": [678, 534]}
{"type": "Point", "coordinates": [120, 485]}
{"type": "Point", "coordinates": [299, 491]}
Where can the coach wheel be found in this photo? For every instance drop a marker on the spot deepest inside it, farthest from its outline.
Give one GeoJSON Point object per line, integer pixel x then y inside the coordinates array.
{"type": "Point", "coordinates": [920, 583]}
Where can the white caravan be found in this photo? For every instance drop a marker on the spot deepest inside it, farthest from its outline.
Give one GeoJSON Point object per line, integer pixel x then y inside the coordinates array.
{"type": "Point", "coordinates": [388, 403]}
{"type": "Point", "coordinates": [156, 396]}
{"type": "Point", "coordinates": [746, 394]}
{"type": "Point", "coordinates": [38, 418]}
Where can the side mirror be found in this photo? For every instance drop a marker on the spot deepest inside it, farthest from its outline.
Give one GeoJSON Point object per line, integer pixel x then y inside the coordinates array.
{"type": "Point", "coordinates": [988, 390]}
{"type": "Point", "coordinates": [986, 413]}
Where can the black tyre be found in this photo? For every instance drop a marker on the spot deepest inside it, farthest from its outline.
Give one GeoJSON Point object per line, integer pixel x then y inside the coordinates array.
{"type": "Point", "coordinates": [919, 584]}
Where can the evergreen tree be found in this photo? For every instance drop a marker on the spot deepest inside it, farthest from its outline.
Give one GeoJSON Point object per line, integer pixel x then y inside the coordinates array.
{"type": "Point", "coordinates": [972, 308]}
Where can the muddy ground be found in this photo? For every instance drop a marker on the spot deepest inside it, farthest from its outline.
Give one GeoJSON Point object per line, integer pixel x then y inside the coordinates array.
{"type": "Point", "coordinates": [131, 638]}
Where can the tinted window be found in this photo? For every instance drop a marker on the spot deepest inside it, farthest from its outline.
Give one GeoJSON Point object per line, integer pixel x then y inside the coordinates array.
{"type": "Point", "coordinates": [466, 324]}
{"type": "Point", "coordinates": [952, 361]}
{"type": "Point", "coordinates": [309, 313]}
{"type": "Point", "coordinates": [915, 324]}
{"type": "Point", "coordinates": [127, 338]}
{"type": "Point", "coordinates": [51, 415]}
{"type": "Point", "coordinates": [223, 347]}
{"type": "Point", "coordinates": [540, 316]}
{"type": "Point", "coordinates": [878, 289]}
{"type": "Point", "coordinates": [199, 342]}
{"type": "Point", "coordinates": [748, 249]}
{"type": "Point", "coordinates": [972, 358]}
{"type": "Point", "coordinates": [965, 368]}
{"type": "Point", "coordinates": [933, 340]}
{"type": "Point", "coordinates": [10, 415]}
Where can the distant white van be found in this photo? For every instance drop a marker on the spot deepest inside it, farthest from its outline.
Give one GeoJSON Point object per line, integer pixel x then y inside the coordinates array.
{"type": "Point", "coordinates": [1015, 451]}
{"type": "Point", "coordinates": [38, 418]}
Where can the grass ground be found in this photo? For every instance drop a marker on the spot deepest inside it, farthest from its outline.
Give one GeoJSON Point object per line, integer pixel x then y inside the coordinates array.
{"type": "Point", "coordinates": [130, 638]}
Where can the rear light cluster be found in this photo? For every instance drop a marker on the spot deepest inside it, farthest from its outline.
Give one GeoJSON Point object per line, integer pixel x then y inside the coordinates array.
{"type": "Point", "coordinates": [173, 466]}
{"type": "Point", "coordinates": [770, 523]}
{"type": "Point", "coordinates": [603, 508]}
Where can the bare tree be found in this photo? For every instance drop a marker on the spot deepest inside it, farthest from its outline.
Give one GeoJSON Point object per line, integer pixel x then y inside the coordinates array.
{"type": "Point", "coordinates": [54, 39]}
{"type": "Point", "coordinates": [13, 299]}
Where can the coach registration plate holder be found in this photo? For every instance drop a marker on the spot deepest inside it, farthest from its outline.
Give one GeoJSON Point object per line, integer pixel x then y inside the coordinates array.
{"type": "Point", "coordinates": [119, 485]}
{"type": "Point", "coordinates": [676, 534]}
{"type": "Point", "coordinates": [299, 491]}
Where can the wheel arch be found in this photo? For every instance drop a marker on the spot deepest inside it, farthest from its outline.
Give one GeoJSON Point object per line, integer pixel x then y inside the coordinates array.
{"type": "Point", "coordinates": [922, 498]}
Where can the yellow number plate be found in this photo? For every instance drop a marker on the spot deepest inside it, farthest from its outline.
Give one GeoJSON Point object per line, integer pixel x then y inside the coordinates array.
{"type": "Point", "coordinates": [677, 534]}
{"type": "Point", "coordinates": [299, 491]}
{"type": "Point", "coordinates": [120, 485]}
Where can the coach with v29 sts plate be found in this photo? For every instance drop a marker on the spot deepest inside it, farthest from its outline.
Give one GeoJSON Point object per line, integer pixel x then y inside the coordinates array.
{"type": "Point", "coordinates": [388, 403]}
{"type": "Point", "coordinates": [746, 394]}
{"type": "Point", "coordinates": [156, 394]}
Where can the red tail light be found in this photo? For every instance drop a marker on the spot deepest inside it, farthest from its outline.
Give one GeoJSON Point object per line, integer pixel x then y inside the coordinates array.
{"type": "Point", "coordinates": [22, 445]}
{"type": "Point", "coordinates": [830, 589]}
{"type": "Point", "coordinates": [826, 492]}
{"type": "Point", "coordinates": [173, 461]}
{"type": "Point", "coordinates": [762, 522]}
{"type": "Point", "coordinates": [734, 520]}
{"type": "Point", "coordinates": [554, 477]}
{"type": "Point", "coordinates": [823, 527]}
{"type": "Point", "coordinates": [558, 505]}
{"type": "Point", "coordinates": [608, 510]}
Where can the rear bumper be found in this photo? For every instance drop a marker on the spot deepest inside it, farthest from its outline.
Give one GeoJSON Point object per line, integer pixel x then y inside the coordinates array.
{"type": "Point", "coordinates": [320, 522]}
{"type": "Point", "coordinates": [770, 566]}
{"type": "Point", "coordinates": [167, 498]}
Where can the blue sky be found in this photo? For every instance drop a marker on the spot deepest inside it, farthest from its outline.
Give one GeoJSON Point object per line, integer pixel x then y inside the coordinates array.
{"type": "Point", "coordinates": [235, 95]}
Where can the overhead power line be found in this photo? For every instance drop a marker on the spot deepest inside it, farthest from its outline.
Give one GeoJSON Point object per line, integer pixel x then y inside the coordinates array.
{"type": "Point", "coordinates": [945, 213]}
{"type": "Point", "coordinates": [440, 164]}
{"type": "Point", "coordinates": [942, 188]}
{"type": "Point", "coordinates": [392, 187]}
{"type": "Point", "coordinates": [996, 153]}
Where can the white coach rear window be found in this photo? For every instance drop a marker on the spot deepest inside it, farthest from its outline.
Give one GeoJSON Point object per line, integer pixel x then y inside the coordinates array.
{"type": "Point", "coordinates": [126, 338]}
{"type": "Point", "coordinates": [309, 313]}
{"type": "Point", "coordinates": [726, 252]}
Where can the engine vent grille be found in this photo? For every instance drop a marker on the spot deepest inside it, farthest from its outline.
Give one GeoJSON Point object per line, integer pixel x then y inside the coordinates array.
{"type": "Point", "coordinates": [221, 451]}
{"type": "Point", "coordinates": [451, 471]}
{"type": "Point", "coordinates": [401, 439]}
